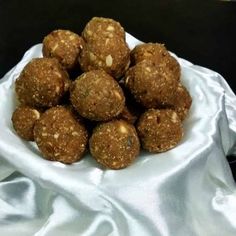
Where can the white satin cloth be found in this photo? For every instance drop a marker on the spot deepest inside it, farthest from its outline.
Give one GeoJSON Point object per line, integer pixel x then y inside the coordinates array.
{"type": "Point", "coordinates": [187, 191]}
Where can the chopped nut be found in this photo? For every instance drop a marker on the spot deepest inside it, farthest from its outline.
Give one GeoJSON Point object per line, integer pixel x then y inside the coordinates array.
{"type": "Point", "coordinates": [106, 42]}
{"type": "Point", "coordinates": [58, 74]}
{"type": "Point", "coordinates": [127, 79]}
{"type": "Point", "coordinates": [55, 47]}
{"type": "Point", "coordinates": [123, 129]}
{"type": "Point", "coordinates": [89, 32]}
{"type": "Point", "coordinates": [75, 133]}
{"type": "Point", "coordinates": [109, 60]}
{"type": "Point", "coordinates": [72, 37]}
{"type": "Point", "coordinates": [174, 117]}
{"type": "Point", "coordinates": [110, 28]}
{"type": "Point", "coordinates": [56, 135]}
{"type": "Point", "coordinates": [37, 114]}
{"type": "Point", "coordinates": [117, 94]}
{"type": "Point", "coordinates": [57, 89]}
{"type": "Point", "coordinates": [100, 63]}
{"type": "Point", "coordinates": [147, 54]}
{"type": "Point", "coordinates": [92, 56]}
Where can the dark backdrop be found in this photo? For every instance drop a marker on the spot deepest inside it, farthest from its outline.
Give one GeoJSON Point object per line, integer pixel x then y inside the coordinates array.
{"type": "Point", "coordinates": [200, 31]}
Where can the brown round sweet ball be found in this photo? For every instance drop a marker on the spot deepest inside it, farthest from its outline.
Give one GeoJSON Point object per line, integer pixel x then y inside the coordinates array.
{"type": "Point", "coordinates": [63, 45]}
{"type": "Point", "coordinates": [149, 51]}
{"type": "Point", "coordinates": [150, 85]}
{"type": "Point", "coordinates": [23, 120]}
{"type": "Point", "coordinates": [158, 54]}
{"type": "Point", "coordinates": [182, 102]}
{"type": "Point", "coordinates": [42, 83]}
{"type": "Point", "coordinates": [102, 27]}
{"type": "Point", "coordinates": [109, 54]}
{"type": "Point", "coordinates": [60, 136]}
{"type": "Point", "coordinates": [159, 130]}
{"type": "Point", "coordinates": [114, 144]}
{"type": "Point", "coordinates": [95, 95]}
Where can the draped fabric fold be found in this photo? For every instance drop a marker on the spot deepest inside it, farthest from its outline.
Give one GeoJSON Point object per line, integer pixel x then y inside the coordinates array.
{"type": "Point", "coordinates": [188, 190]}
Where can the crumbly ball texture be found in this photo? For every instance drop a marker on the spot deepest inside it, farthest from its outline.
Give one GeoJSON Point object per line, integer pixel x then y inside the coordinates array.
{"type": "Point", "coordinates": [150, 85]}
{"type": "Point", "coordinates": [42, 83]}
{"type": "Point", "coordinates": [23, 120]}
{"type": "Point", "coordinates": [102, 27]}
{"type": "Point", "coordinates": [63, 45]}
{"type": "Point", "coordinates": [97, 96]}
{"type": "Point", "coordinates": [158, 54]}
{"type": "Point", "coordinates": [173, 65]}
{"type": "Point", "coordinates": [114, 144]}
{"type": "Point", "coordinates": [159, 130]}
{"type": "Point", "coordinates": [109, 54]}
{"type": "Point", "coordinates": [182, 102]}
{"type": "Point", "coordinates": [60, 136]}
{"type": "Point", "coordinates": [149, 51]}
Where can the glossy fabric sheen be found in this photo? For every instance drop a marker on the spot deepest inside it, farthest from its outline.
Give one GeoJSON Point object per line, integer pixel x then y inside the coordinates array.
{"type": "Point", "coordinates": [186, 191]}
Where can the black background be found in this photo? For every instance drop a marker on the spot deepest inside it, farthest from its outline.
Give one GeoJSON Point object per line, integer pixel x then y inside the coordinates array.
{"type": "Point", "coordinates": [203, 32]}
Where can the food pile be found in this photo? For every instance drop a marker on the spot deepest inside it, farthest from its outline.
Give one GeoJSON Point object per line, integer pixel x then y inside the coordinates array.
{"type": "Point", "coordinates": [120, 100]}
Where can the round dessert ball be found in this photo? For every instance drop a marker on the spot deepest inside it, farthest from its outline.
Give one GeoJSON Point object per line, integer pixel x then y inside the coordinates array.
{"type": "Point", "coordinates": [159, 130]}
{"type": "Point", "coordinates": [63, 45]}
{"type": "Point", "coordinates": [114, 144]}
{"type": "Point", "coordinates": [109, 54]}
{"type": "Point", "coordinates": [95, 95]}
{"type": "Point", "coordinates": [42, 83]}
{"type": "Point", "coordinates": [102, 27]}
{"type": "Point", "coordinates": [149, 51]}
{"type": "Point", "coordinates": [150, 85]}
{"type": "Point", "coordinates": [182, 102]}
{"type": "Point", "coordinates": [23, 120]}
{"type": "Point", "coordinates": [158, 54]}
{"type": "Point", "coordinates": [60, 136]}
